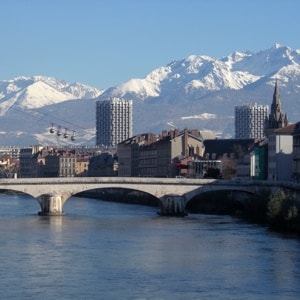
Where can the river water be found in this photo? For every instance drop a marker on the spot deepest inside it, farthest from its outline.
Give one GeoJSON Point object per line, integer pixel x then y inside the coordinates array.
{"type": "Point", "coordinates": [106, 250]}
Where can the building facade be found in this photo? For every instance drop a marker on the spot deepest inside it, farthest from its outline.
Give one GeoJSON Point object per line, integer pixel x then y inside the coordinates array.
{"type": "Point", "coordinates": [259, 162]}
{"type": "Point", "coordinates": [129, 153]}
{"type": "Point", "coordinates": [280, 140]}
{"type": "Point", "coordinates": [113, 121]}
{"type": "Point", "coordinates": [157, 156]}
{"type": "Point", "coordinates": [60, 165]}
{"type": "Point", "coordinates": [296, 153]}
{"type": "Point", "coordinates": [29, 162]}
{"type": "Point", "coordinates": [250, 121]}
{"type": "Point", "coordinates": [198, 168]}
{"type": "Point", "coordinates": [233, 153]}
{"type": "Point", "coordinates": [104, 164]}
{"type": "Point", "coordinates": [280, 153]}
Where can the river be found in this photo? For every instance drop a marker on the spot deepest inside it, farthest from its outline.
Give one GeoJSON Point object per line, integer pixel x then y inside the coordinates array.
{"type": "Point", "coordinates": [108, 250]}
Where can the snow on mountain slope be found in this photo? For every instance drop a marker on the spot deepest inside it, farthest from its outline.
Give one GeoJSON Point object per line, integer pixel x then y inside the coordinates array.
{"type": "Point", "coordinates": [195, 92]}
{"type": "Point", "coordinates": [202, 85]}
{"type": "Point", "coordinates": [38, 91]}
{"type": "Point", "coordinates": [214, 74]}
{"type": "Point", "coordinates": [267, 61]}
{"type": "Point", "coordinates": [141, 88]}
{"type": "Point", "coordinates": [40, 94]}
{"type": "Point", "coordinates": [201, 73]}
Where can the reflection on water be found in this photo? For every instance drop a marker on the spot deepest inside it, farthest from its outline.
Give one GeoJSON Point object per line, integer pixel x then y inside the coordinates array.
{"type": "Point", "coordinates": [103, 250]}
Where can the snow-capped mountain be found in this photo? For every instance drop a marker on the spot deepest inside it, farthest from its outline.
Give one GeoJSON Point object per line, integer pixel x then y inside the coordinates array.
{"type": "Point", "coordinates": [200, 75]}
{"type": "Point", "coordinates": [39, 91]}
{"type": "Point", "coordinates": [196, 92]}
{"type": "Point", "coordinates": [29, 106]}
{"type": "Point", "coordinates": [201, 91]}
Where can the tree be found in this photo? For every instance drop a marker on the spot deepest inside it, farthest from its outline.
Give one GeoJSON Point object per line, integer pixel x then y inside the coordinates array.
{"type": "Point", "coordinates": [213, 173]}
{"type": "Point", "coordinates": [283, 211]}
{"type": "Point", "coordinates": [275, 205]}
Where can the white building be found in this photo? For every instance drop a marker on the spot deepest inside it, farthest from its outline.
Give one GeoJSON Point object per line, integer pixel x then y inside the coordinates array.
{"type": "Point", "coordinates": [250, 121]}
{"type": "Point", "coordinates": [113, 121]}
{"type": "Point", "coordinates": [280, 153]}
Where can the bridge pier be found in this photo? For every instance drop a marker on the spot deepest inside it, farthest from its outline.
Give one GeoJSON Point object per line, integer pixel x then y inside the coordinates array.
{"type": "Point", "coordinates": [172, 205]}
{"type": "Point", "coordinates": [51, 205]}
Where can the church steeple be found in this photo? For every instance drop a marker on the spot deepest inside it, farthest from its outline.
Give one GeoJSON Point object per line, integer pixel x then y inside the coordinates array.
{"type": "Point", "coordinates": [277, 119]}
{"type": "Point", "coordinates": [276, 104]}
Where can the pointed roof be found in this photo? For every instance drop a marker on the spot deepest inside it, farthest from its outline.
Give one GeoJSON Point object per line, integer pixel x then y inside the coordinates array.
{"type": "Point", "coordinates": [277, 119]}
{"type": "Point", "coordinates": [276, 104]}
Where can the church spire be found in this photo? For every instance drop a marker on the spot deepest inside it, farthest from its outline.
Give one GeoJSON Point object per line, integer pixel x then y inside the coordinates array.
{"type": "Point", "coordinates": [277, 118]}
{"type": "Point", "coordinates": [276, 104]}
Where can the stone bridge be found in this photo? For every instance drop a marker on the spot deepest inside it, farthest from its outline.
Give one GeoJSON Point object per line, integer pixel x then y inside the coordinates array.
{"type": "Point", "coordinates": [173, 193]}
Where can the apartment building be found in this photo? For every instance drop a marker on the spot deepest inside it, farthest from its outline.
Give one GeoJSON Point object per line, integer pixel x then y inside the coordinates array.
{"type": "Point", "coordinates": [113, 121]}
{"type": "Point", "coordinates": [60, 164]}
{"type": "Point", "coordinates": [233, 153]}
{"type": "Point", "coordinates": [82, 166]}
{"type": "Point", "coordinates": [29, 162]}
{"type": "Point", "coordinates": [104, 164]}
{"type": "Point", "coordinates": [128, 153]}
{"type": "Point", "coordinates": [157, 156]}
{"type": "Point", "coordinates": [250, 121]}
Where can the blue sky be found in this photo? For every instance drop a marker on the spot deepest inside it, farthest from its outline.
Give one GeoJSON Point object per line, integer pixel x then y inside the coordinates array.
{"type": "Point", "coordinates": [103, 43]}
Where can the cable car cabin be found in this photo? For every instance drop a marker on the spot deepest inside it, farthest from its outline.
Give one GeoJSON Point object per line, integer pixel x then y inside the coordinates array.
{"type": "Point", "coordinates": [73, 136]}
{"type": "Point", "coordinates": [52, 130]}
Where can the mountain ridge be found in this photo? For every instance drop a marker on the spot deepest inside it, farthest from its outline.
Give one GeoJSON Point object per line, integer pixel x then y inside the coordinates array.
{"type": "Point", "coordinates": [195, 92]}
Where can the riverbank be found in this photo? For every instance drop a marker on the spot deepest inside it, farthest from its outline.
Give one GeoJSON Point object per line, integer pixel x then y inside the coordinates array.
{"type": "Point", "coordinates": [279, 212]}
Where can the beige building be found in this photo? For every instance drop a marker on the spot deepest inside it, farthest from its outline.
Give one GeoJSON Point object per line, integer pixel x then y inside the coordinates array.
{"type": "Point", "coordinates": [82, 165]}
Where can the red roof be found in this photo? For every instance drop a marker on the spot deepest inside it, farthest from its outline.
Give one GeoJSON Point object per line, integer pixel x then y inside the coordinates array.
{"type": "Point", "coordinates": [287, 129]}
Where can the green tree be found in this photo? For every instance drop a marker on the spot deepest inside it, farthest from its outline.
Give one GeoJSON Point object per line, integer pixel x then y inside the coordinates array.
{"type": "Point", "coordinates": [275, 204]}
{"type": "Point", "coordinates": [283, 211]}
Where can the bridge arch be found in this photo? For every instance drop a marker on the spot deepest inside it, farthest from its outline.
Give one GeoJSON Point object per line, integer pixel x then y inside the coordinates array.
{"type": "Point", "coordinates": [52, 203]}
{"type": "Point", "coordinates": [219, 188]}
{"type": "Point", "coordinates": [117, 194]}
{"type": "Point", "coordinates": [53, 192]}
{"type": "Point", "coordinates": [16, 191]}
{"type": "Point", "coordinates": [9, 198]}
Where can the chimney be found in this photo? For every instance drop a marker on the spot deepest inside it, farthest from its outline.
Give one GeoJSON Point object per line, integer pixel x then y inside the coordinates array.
{"type": "Point", "coordinates": [185, 143]}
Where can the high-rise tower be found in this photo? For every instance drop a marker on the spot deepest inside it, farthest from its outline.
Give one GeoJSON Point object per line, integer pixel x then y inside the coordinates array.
{"type": "Point", "coordinates": [113, 121]}
{"type": "Point", "coordinates": [250, 120]}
